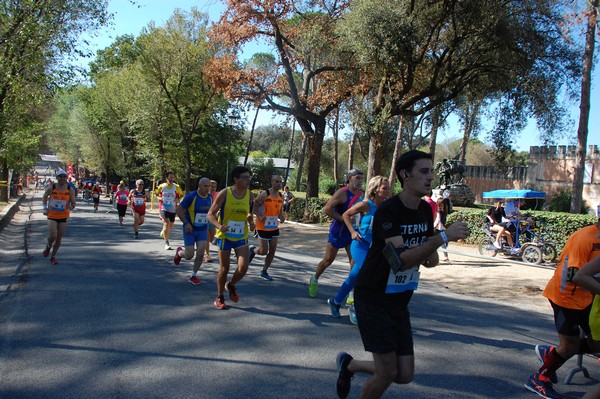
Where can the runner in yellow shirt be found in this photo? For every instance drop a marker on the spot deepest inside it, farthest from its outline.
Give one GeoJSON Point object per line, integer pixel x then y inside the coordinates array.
{"type": "Point", "coordinates": [230, 214]}
{"type": "Point", "coordinates": [168, 195]}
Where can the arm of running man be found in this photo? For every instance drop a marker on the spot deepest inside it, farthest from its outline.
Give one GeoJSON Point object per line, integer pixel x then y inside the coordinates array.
{"type": "Point", "coordinates": [281, 215]}
{"type": "Point", "coordinates": [338, 197]}
{"type": "Point", "coordinates": [212, 217]}
{"type": "Point", "coordinates": [260, 200]}
{"type": "Point", "coordinates": [426, 253]}
{"type": "Point", "coordinates": [586, 276]}
{"type": "Point", "coordinates": [182, 215]}
{"type": "Point", "coordinates": [250, 217]}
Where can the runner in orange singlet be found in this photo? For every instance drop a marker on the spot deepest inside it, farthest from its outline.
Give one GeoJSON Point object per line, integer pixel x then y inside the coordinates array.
{"type": "Point", "coordinates": [58, 201]}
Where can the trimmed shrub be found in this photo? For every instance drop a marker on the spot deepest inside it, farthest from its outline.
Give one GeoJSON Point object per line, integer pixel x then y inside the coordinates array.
{"type": "Point", "coordinates": [561, 202]}
{"type": "Point", "coordinates": [315, 211]}
{"type": "Point", "coordinates": [559, 225]}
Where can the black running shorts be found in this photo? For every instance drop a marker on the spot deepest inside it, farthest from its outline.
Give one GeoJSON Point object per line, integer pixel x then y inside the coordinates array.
{"type": "Point", "coordinates": [384, 328]}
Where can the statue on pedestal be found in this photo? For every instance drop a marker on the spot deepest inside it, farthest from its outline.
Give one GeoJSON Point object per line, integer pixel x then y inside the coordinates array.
{"type": "Point", "coordinates": [451, 175]}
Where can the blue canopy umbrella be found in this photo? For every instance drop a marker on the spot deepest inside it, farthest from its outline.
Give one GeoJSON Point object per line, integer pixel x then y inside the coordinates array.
{"type": "Point", "coordinates": [503, 194]}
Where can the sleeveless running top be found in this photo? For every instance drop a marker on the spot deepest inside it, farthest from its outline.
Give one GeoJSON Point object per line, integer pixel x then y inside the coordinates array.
{"type": "Point", "coordinates": [272, 209]}
{"type": "Point", "coordinates": [169, 196]}
{"type": "Point", "coordinates": [365, 226]}
{"type": "Point", "coordinates": [339, 228]}
{"type": "Point", "coordinates": [58, 203]}
{"type": "Point", "coordinates": [138, 201]}
{"type": "Point", "coordinates": [234, 213]}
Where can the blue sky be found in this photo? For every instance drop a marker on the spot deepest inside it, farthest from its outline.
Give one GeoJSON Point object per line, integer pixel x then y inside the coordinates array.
{"type": "Point", "coordinates": [131, 19]}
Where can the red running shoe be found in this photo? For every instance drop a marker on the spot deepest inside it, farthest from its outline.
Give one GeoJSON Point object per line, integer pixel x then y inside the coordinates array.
{"type": "Point", "coordinates": [220, 303]}
{"type": "Point", "coordinates": [177, 258]}
{"type": "Point", "coordinates": [195, 280]}
{"type": "Point", "coordinates": [53, 261]}
{"type": "Point", "coordinates": [232, 294]}
{"type": "Point", "coordinates": [46, 251]}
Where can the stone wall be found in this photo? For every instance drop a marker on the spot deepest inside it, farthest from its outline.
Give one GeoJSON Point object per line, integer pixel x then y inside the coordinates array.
{"type": "Point", "coordinates": [550, 168]}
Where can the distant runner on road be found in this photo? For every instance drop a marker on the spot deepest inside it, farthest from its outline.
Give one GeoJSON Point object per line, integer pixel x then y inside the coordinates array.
{"type": "Point", "coordinates": [58, 200]}
{"type": "Point", "coordinates": [168, 194]}
{"type": "Point", "coordinates": [138, 199]}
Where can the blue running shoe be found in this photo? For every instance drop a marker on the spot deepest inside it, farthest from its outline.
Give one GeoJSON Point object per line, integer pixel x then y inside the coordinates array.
{"type": "Point", "coordinates": [542, 388]}
{"type": "Point", "coordinates": [542, 351]}
{"type": "Point", "coordinates": [252, 253]}
{"type": "Point", "coordinates": [352, 315]}
{"type": "Point", "coordinates": [333, 308]}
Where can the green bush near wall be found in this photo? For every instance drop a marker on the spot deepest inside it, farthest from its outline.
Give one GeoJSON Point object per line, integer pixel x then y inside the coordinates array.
{"type": "Point", "coordinates": [315, 210]}
{"type": "Point", "coordinates": [559, 225]}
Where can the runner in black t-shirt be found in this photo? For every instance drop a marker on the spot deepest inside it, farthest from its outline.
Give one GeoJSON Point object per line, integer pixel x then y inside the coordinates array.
{"type": "Point", "coordinates": [382, 295]}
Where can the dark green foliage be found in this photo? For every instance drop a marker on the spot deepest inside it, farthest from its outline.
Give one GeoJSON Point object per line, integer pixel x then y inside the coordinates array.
{"type": "Point", "coordinates": [262, 170]}
{"type": "Point", "coordinates": [328, 186]}
{"type": "Point", "coordinates": [314, 214]}
{"type": "Point", "coordinates": [561, 202]}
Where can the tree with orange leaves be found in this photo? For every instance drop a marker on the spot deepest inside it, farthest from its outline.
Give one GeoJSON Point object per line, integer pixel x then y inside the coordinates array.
{"type": "Point", "coordinates": [311, 75]}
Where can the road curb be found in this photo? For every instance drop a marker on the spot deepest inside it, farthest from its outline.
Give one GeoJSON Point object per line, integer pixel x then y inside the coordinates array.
{"type": "Point", "coordinates": [7, 213]}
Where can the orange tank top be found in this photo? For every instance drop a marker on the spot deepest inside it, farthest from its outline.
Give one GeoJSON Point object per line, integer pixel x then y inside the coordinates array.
{"type": "Point", "coordinates": [58, 203]}
{"type": "Point", "coordinates": [272, 209]}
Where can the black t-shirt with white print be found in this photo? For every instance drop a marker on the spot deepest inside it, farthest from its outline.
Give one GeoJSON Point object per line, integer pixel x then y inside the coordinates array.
{"type": "Point", "coordinates": [392, 219]}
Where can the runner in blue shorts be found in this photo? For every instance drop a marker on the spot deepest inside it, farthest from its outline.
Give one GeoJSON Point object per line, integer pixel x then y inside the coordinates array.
{"type": "Point", "coordinates": [231, 214]}
{"type": "Point", "coordinates": [378, 190]}
{"type": "Point", "coordinates": [339, 235]}
{"type": "Point", "coordinates": [192, 211]}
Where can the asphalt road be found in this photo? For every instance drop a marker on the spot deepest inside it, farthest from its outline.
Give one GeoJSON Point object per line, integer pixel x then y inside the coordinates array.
{"type": "Point", "coordinates": [116, 319]}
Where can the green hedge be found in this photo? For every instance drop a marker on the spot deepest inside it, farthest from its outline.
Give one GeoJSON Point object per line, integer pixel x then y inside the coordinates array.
{"type": "Point", "coordinates": [315, 211]}
{"type": "Point", "coordinates": [559, 225]}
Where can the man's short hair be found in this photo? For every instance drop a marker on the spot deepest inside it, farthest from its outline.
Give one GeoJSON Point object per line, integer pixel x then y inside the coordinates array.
{"type": "Point", "coordinates": [407, 162]}
{"type": "Point", "coordinates": [238, 170]}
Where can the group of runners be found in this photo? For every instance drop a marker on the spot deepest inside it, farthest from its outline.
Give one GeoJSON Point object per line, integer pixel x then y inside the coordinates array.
{"type": "Point", "coordinates": [386, 245]}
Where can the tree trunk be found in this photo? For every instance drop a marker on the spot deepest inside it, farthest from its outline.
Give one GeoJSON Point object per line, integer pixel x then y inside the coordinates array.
{"type": "Point", "coordinates": [4, 189]}
{"type": "Point", "coordinates": [315, 145]}
{"type": "Point", "coordinates": [375, 155]}
{"type": "Point", "coordinates": [471, 115]}
{"type": "Point", "coordinates": [336, 130]}
{"type": "Point", "coordinates": [188, 164]}
{"type": "Point", "coordinates": [584, 107]}
{"type": "Point", "coordinates": [251, 136]}
{"type": "Point", "coordinates": [396, 155]}
{"type": "Point", "coordinates": [435, 124]}
{"type": "Point", "coordinates": [301, 162]}
{"type": "Point", "coordinates": [287, 170]}
{"type": "Point", "coordinates": [351, 148]}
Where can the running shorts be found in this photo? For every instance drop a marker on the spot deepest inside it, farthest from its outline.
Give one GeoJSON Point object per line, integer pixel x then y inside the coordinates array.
{"type": "Point", "coordinates": [568, 321]}
{"type": "Point", "coordinates": [225, 245]}
{"type": "Point", "coordinates": [382, 330]}
{"type": "Point", "coordinates": [189, 239]}
{"type": "Point", "coordinates": [267, 234]}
